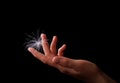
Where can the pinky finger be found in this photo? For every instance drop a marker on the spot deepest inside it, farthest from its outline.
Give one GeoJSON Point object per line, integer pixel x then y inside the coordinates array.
{"type": "Point", "coordinates": [61, 50]}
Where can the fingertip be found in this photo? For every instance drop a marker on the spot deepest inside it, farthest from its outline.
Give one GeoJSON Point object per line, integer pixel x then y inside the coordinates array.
{"type": "Point", "coordinates": [30, 49]}
{"type": "Point", "coordinates": [64, 45]}
{"type": "Point", "coordinates": [53, 59]}
{"type": "Point", "coordinates": [54, 36]}
{"type": "Point", "coordinates": [43, 35]}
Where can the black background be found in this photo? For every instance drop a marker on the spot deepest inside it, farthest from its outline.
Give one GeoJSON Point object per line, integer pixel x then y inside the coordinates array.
{"type": "Point", "coordinates": [89, 34]}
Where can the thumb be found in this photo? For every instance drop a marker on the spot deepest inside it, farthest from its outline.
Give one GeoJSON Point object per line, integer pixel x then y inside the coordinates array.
{"type": "Point", "coordinates": [63, 61]}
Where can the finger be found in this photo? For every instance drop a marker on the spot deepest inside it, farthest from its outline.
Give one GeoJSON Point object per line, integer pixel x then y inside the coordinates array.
{"type": "Point", "coordinates": [53, 45]}
{"type": "Point", "coordinates": [37, 54]}
{"type": "Point", "coordinates": [63, 69]}
{"type": "Point", "coordinates": [65, 62]}
{"type": "Point", "coordinates": [61, 50]}
{"type": "Point", "coordinates": [45, 44]}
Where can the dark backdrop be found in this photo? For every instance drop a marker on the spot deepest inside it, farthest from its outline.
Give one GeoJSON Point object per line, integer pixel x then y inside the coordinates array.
{"type": "Point", "coordinates": [89, 35]}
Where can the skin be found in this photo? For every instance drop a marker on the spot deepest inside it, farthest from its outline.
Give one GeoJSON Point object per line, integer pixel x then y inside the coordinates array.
{"type": "Point", "coordinates": [79, 69]}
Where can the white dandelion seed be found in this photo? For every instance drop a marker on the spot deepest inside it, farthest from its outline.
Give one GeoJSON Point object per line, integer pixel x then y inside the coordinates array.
{"type": "Point", "coordinates": [33, 41]}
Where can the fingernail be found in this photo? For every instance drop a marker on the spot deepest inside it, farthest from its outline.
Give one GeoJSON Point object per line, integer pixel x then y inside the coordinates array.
{"type": "Point", "coordinates": [30, 49]}
{"type": "Point", "coordinates": [43, 35]}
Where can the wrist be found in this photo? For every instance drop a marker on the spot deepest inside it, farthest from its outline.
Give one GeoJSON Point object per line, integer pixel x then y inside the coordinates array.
{"type": "Point", "coordinates": [100, 77]}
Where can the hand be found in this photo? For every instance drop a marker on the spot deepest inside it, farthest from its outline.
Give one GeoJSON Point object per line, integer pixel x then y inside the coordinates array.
{"type": "Point", "coordinates": [80, 69]}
